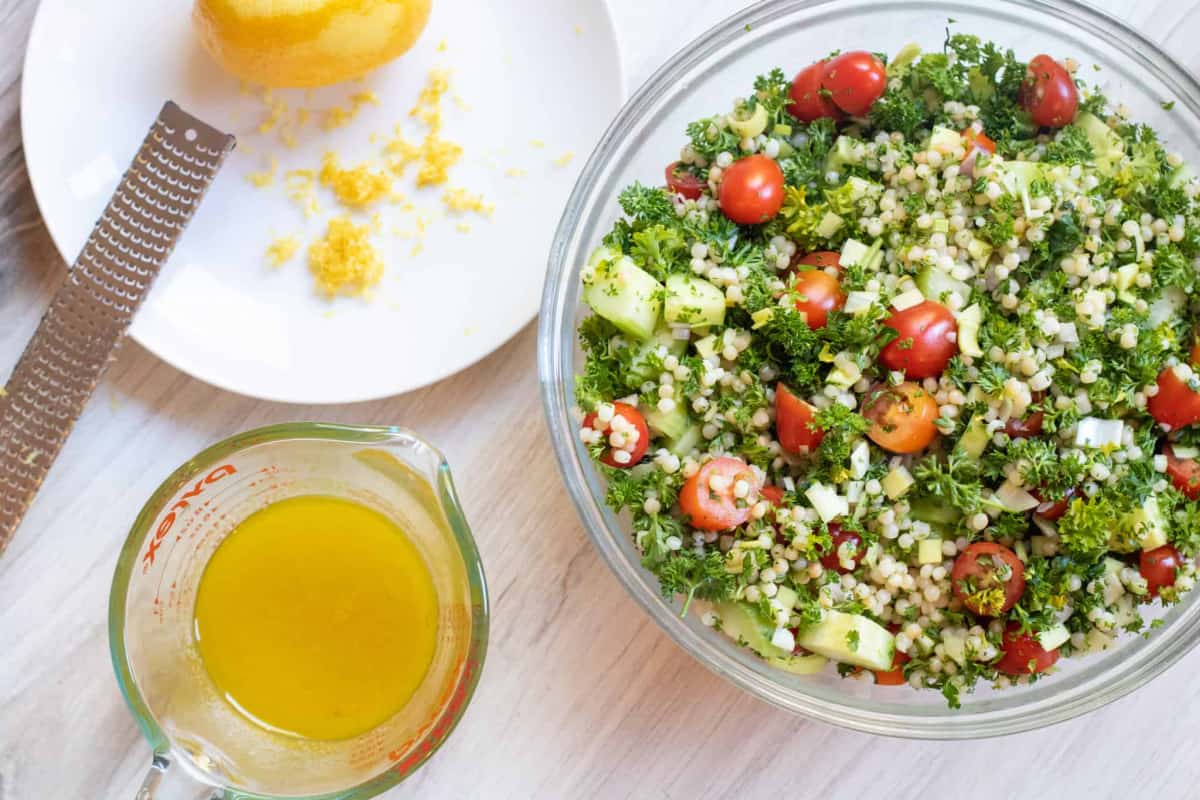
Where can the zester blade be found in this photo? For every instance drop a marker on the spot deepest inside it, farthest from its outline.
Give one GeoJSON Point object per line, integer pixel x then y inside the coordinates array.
{"type": "Point", "coordinates": [88, 316]}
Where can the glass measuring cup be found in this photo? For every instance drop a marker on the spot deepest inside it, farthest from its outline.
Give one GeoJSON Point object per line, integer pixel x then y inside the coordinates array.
{"type": "Point", "coordinates": [203, 747]}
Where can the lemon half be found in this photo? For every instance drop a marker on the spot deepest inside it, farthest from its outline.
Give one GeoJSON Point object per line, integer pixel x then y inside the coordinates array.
{"type": "Point", "coordinates": [301, 43]}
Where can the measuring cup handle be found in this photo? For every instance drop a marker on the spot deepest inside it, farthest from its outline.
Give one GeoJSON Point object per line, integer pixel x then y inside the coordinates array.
{"type": "Point", "coordinates": [164, 782]}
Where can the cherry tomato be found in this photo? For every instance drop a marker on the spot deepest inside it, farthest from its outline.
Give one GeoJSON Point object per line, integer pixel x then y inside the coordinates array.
{"type": "Point", "coordinates": [1026, 427]}
{"type": "Point", "coordinates": [680, 181]}
{"type": "Point", "coordinates": [1023, 654]}
{"type": "Point", "coordinates": [1053, 509]}
{"type": "Point", "coordinates": [794, 423]}
{"type": "Point", "coordinates": [840, 536]}
{"type": "Point", "coordinates": [821, 259]}
{"type": "Point", "coordinates": [772, 494]}
{"type": "Point", "coordinates": [752, 190]}
{"type": "Point", "coordinates": [903, 417]}
{"type": "Point", "coordinates": [978, 140]}
{"type": "Point", "coordinates": [1184, 472]}
{"type": "Point", "coordinates": [717, 508]}
{"type": "Point", "coordinates": [809, 102]}
{"type": "Point", "coordinates": [854, 80]}
{"type": "Point", "coordinates": [1049, 93]}
{"type": "Point", "coordinates": [817, 293]}
{"type": "Point", "coordinates": [1158, 567]}
{"type": "Point", "coordinates": [988, 578]}
{"type": "Point", "coordinates": [634, 446]}
{"type": "Point", "coordinates": [926, 340]}
{"type": "Point", "coordinates": [894, 676]}
{"type": "Point", "coordinates": [1176, 404]}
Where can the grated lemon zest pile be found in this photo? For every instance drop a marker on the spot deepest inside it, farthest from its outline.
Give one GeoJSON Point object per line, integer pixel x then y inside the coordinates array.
{"type": "Point", "coordinates": [358, 187]}
{"type": "Point", "coordinates": [301, 188]}
{"type": "Point", "coordinates": [344, 261]}
{"type": "Point", "coordinates": [338, 117]}
{"type": "Point", "coordinates": [266, 177]}
{"type": "Point", "coordinates": [281, 251]}
{"type": "Point", "coordinates": [460, 200]}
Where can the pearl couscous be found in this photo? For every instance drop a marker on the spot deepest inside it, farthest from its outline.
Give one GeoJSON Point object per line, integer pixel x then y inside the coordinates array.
{"type": "Point", "coordinates": [896, 372]}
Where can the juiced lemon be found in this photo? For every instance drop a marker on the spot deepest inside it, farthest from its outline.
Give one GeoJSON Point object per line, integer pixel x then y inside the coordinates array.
{"type": "Point", "coordinates": [307, 42]}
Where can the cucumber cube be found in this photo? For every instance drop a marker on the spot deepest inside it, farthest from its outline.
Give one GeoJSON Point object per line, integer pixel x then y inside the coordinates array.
{"type": "Point", "coordinates": [851, 639]}
{"type": "Point", "coordinates": [694, 302]}
{"type": "Point", "coordinates": [929, 551]}
{"type": "Point", "coordinates": [897, 482]}
{"type": "Point", "coordinates": [624, 294]}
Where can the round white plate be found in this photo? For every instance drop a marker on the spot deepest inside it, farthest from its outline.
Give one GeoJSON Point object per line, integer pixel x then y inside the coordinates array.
{"type": "Point", "coordinates": [534, 82]}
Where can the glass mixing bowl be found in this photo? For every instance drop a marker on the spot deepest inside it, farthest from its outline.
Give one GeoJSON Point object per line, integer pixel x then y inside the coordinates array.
{"type": "Point", "coordinates": [704, 77]}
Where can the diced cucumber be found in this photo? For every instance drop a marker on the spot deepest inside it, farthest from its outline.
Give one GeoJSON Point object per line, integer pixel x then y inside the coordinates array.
{"type": "Point", "coordinates": [979, 250]}
{"type": "Point", "coordinates": [929, 551]}
{"type": "Point", "coordinates": [936, 283]}
{"type": "Point", "coordinates": [1167, 306]}
{"type": "Point", "coordinates": [693, 302]}
{"type": "Point", "coordinates": [945, 140]}
{"type": "Point", "coordinates": [845, 372]}
{"type": "Point", "coordinates": [955, 647]}
{"type": "Point", "coordinates": [841, 154]}
{"type": "Point", "coordinates": [860, 189]}
{"type": "Point", "coordinates": [799, 665]}
{"type": "Point", "coordinates": [969, 320]}
{"type": "Point", "coordinates": [1126, 275]}
{"type": "Point", "coordinates": [1053, 638]}
{"type": "Point", "coordinates": [860, 302]}
{"type": "Point", "coordinates": [748, 124]}
{"type": "Point", "coordinates": [1113, 589]}
{"type": "Point", "coordinates": [624, 294]}
{"type": "Point", "coordinates": [761, 317]}
{"type": "Point", "coordinates": [707, 347]}
{"type": "Point", "coordinates": [1127, 612]}
{"type": "Point", "coordinates": [906, 300]}
{"type": "Point", "coordinates": [829, 225]}
{"type": "Point", "coordinates": [686, 442]}
{"type": "Point", "coordinates": [742, 624]}
{"type": "Point", "coordinates": [933, 511]}
{"type": "Point", "coordinates": [828, 503]}
{"type": "Point", "coordinates": [1148, 523]}
{"type": "Point", "coordinates": [787, 597]}
{"type": "Point", "coordinates": [975, 438]}
{"type": "Point", "coordinates": [670, 424]}
{"type": "Point", "coordinates": [897, 482]}
{"type": "Point", "coordinates": [1107, 145]}
{"type": "Point", "coordinates": [851, 639]}
{"type": "Point", "coordinates": [869, 257]}
{"type": "Point", "coordinates": [860, 460]}
{"type": "Point", "coordinates": [640, 366]}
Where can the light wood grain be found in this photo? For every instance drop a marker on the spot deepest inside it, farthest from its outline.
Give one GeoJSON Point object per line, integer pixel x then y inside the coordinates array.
{"type": "Point", "coordinates": [581, 696]}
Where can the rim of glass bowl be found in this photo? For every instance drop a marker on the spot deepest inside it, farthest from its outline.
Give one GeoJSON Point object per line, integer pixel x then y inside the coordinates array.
{"type": "Point", "coordinates": [1132, 665]}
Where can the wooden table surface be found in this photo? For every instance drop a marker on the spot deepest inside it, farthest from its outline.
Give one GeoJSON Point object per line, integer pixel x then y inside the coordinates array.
{"type": "Point", "coordinates": [582, 696]}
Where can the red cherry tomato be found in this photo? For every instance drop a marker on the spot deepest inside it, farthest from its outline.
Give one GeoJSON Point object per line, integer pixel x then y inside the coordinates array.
{"type": "Point", "coordinates": [772, 494]}
{"type": "Point", "coordinates": [854, 543]}
{"type": "Point", "coordinates": [1176, 404]}
{"type": "Point", "coordinates": [809, 102]}
{"type": "Point", "coordinates": [1158, 567]}
{"type": "Point", "coordinates": [894, 676]}
{"type": "Point", "coordinates": [926, 340]}
{"type": "Point", "coordinates": [817, 293]}
{"type": "Point", "coordinates": [680, 181]}
{"type": "Point", "coordinates": [854, 80]}
{"type": "Point", "coordinates": [978, 140]}
{"type": "Point", "coordinates": [794, 423]}
{"type": "Point", "coordinates": [1023, 654]}
{"type": "Point", "coordinates": [635, 448]}
{"type": "Point", "coordinates": [1184, 472]}
{"type": "Point", "coordinates": [1049, 93]}
{"type": "Point", "coordinates": [903, 417]}
{"type": "Point", "coordinates": [1053, 509]}
{"type": "Point", "coordinates": [988, 578]}
{"type": "Point", "coordinates": [717, 508]}
{"type": "Point", "coordinates": [821, 259]}
{"type": "Point", "coordinates": [752, 190]}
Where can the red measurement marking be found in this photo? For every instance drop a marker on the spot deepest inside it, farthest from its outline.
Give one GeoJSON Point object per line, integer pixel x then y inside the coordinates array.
{"type": "Point", "coordinates": [165, 525]}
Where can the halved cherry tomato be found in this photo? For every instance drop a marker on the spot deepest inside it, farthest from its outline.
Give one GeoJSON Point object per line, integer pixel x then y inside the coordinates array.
{"type": "Point", "coordinates": [1184, 472]}
{"type": "Point", "coordinates": [752, 190]}
{"type": "Point", "coordinates": [1023, 654]}
{"type": "Point", "coordinates": [1158, 567]}
{"type": "Point", "coordinates": [926, 340]}
{"type": "Point", "coordinates": [1052, 509]}
{"type": "Point", "coordinates": [821, 259]}
{"type": "Point", "coordinates": [978, 140]}
{"type": "Point", "coordinates": [840, 536]}
{"type": "Point", "coordinates": [1049, 93]}
{"type": "Point", "coordinates": [1026, 427]}
{"type": "Point", "coordinates": [895, 675]}
{"type": "Point", "coordinates": [794, 422]}
{"type": "Point", "coordinates": [680, 181]}
{"type": "Point", "coordinates": [903, 417]}
{"type": "Point", "coordinates": [719, 508]}
{"type": "Point", "coordinates": [1176, 404]}
{"type": "Point", "coordinates": [809, 102]}
{"type": "Point", "coordinates": [854, 80]}
{"type": "Point", "coordinates": [988, 578]}
{"type": "Point", "coordinates": [817, 293]}
{"type": "Point", "coordinates": [772, 494]}
{"type": "Point", "coordinates": [635, 450]}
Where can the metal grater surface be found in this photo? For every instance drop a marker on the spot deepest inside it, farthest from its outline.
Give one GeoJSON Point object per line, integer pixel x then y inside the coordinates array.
{"type": "Point", "coordinates": [89, 314]}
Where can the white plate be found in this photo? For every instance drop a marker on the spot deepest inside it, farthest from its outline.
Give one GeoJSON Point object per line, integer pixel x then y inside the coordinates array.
{"type": "Point", "coordinates": [97, 72]}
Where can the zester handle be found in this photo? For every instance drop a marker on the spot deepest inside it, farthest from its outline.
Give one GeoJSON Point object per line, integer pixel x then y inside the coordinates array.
{"type": "Point", "coordinates": [89, 314]}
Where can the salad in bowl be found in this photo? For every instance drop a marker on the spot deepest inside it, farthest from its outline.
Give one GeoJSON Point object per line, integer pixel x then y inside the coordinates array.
{"type": "Point", "coordinates": [892, 368]}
